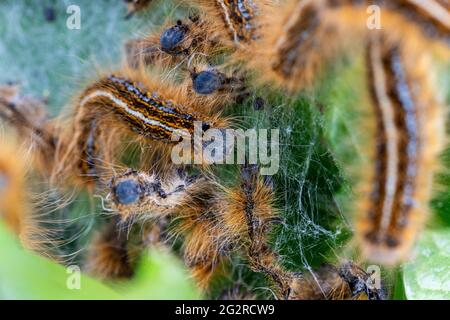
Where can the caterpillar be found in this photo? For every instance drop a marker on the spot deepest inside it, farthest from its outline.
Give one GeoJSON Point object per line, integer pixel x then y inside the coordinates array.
{"type": "Point", "coordinates": [247, 213]}
{"type": "Point", "coordinates": [409, 136]}
{"type": "Point", "coordinates": [173, 44]}
{"type": "Point", "coordinates": [188, 200]}
{"type": "Point", "coordinates": [108, 254]}
{"type": "Point", "coordinates": [188, 45]}
{"type": "Point", "coordinates": [298, 38]}
{"type": "Point", "coordinates": [136, 108]}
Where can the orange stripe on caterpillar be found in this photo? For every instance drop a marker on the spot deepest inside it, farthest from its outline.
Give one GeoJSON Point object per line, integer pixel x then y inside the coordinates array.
{"type": "Point", "coordinates": [409, 136]}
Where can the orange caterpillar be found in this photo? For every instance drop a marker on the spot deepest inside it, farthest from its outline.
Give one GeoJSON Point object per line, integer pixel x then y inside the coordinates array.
{"type": "Point", "coordinates": [300, 36]}
{"type": "Point", "coordinates": [130, 104]}
{"type": "Point", "coordinates": [137, 193]}
{"type": "Point", "coordinates": [247, 213]}
{"type": "Point", "coordinates": [214, 225]}
{"type": "Point", "coordinates": [108, 255]}
{"type": "Point", "coordinates": [409, 136]}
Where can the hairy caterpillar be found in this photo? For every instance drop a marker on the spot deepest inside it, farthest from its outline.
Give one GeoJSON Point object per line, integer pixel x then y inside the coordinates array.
{"type": "Point", "coordinates": [109, 254]}
{"type": "Point", "coordinates": [299, 37]}
{"type": "Point", "coordinates": [247, 213]}
{"type": "Point", "coordinates": [172, 44]}
{"type": "Point", "coordinates": [409, 136]}
{"type": "Point", "coordinates": [137, 108]}
{"type": "Point", "coordinates": [187, 200]}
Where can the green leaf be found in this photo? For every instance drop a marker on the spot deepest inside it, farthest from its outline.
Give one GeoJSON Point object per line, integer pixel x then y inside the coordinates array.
{"type": "Point", "coordinates": [160, 276]}
{"type": "Point", "coordinates": [428, 275]}
{"type": "Point", "coordinates": [24, 275]}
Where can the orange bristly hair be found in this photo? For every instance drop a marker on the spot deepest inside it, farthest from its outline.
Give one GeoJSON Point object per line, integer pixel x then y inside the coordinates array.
{"type": "Point", "coordinates": [247, 213]}
{"type": "Point", "coordinates": [14, 205]}
{"type": "Point", "coordinates": [235, 23]}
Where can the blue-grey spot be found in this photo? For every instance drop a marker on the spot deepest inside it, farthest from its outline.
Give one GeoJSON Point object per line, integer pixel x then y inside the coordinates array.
{"type": "Point", "coordinates": [127, 192]}
{"type": "Point", "coordinates": [172, 37]}
{"type": "Point", "coordinates": [206, 82]}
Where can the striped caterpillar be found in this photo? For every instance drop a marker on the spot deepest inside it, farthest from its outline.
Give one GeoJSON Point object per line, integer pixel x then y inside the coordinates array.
{"type": "Point", "coordinates": [409, 137]}
{"type": "Point", "coordinates": [136, 108]}
{"type": "Point", "coordinates": [299, 37]}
